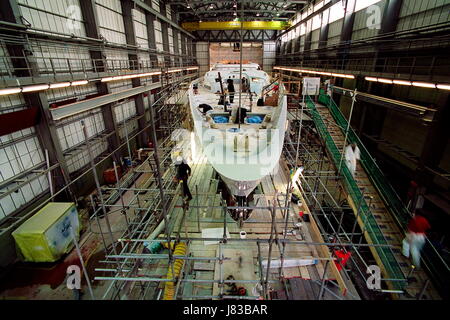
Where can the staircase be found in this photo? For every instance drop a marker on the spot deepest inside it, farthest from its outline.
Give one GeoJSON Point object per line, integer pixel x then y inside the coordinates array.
{"type": "Point", "coordinates": [372, 207]}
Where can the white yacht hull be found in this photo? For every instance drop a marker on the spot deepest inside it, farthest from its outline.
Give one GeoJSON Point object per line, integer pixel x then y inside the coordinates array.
{"type": "Point", "coordinates": [244, 157]}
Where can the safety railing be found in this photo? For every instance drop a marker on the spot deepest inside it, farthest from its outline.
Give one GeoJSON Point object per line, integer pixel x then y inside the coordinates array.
{"type": "Point", "coordinates": [438, 268]}
{"type": "Point", "coordinates": [75, 66]}
{"type": "Point", "coordinates": [387, 192]}
{"type": "Point", "coordinates": [364, 213]}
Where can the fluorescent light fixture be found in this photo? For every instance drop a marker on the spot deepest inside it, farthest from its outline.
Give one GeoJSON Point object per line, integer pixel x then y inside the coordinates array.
{"type": "Point", "coordinates": [371, 79]}
{"type": "Point", "coordinates": [424, 84]}
{"type": "Point", "coordinates": [402, 82]}
{"type": "Point", "coordinates": [38, 87]}
{"type": "Point", "coordinates": [177, 70]}
{"type": "Point", "coordinates": [384, 80]}
{"type": "Point", "coordinates": [4, 92]}
{"type": "Point", "coordinates": [79, 83]}
{"type": "Point", "coordinates": [150, 74]}
{"type": "Point", "coordinates": [443, 86]}
{"type": "Point", "coordinates": [59, 85]}
{"type": "Point", "coordinates": [107, 79]}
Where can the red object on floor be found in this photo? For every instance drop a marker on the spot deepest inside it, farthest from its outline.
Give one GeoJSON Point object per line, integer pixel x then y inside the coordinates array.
{"type": "Point", "coordinates": [301, 213]}
{"type": "Point", "coordinates": [342, 258]}
{"type": "Point", "coordinates": [110, 176]}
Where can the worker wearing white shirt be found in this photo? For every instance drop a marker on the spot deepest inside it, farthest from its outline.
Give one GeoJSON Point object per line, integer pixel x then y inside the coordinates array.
{"type": "Point", "coordinates": [351, 155]}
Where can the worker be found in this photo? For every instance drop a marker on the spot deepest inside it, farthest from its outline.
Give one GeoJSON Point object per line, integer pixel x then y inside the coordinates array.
{"type": "Point", "coordinates": [195, 87]}
{"type": "Point", "coordinates": [352, 154]}
{"type": "Point", "coordinates": [183, 173]}
{"type": "Point", "coordinates": [244, 85]}
{"type": "Point", "coordinates": [204, 108]}
{"type": "Point", "coordinates": [230, 88]}
{"type": "Point", "coordinates": [415, 238]}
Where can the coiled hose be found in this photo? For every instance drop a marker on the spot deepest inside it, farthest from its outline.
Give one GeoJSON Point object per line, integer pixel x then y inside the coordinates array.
{"type": "Point", "coordinates": [169, 287]}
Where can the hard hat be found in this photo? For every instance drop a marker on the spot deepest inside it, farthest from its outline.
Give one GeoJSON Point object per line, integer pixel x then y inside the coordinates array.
{"type": "Point", "coordinates": [179, 160]}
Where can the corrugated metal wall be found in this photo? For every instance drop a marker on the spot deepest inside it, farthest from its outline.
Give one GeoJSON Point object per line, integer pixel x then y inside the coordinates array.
{"type": "Point", "coordinates": [269, 55]}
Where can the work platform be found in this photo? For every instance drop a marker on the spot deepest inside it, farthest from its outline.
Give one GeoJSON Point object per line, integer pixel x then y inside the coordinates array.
{"type": "Point", "coordinates": [218, 258]}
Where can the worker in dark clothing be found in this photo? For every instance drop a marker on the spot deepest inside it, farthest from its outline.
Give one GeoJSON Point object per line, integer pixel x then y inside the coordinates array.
{"type": "Point", "coordinates": [245, 87]}
{"type": "Point", "coordinates": [183, 173]}
{"type": "Point", "coordinates": [230, 83]}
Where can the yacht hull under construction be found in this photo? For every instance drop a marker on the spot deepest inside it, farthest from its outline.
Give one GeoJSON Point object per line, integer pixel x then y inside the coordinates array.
{"type": "Point", "coordinates": [242, 132]}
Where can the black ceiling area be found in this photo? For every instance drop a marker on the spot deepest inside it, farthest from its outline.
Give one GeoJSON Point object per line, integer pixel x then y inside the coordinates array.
{"type": "Point", "coordinates": [204, 10]}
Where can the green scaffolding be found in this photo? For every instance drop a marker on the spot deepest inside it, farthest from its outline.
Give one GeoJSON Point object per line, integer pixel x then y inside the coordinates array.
{"type": "Point", "coordinates": [437, 267]}
{"type": "Point", "coordinates": [373, 230]}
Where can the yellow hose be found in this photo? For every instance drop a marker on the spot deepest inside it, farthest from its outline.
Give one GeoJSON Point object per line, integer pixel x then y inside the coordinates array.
{"type": "Point", "coordinates": [169, 287]}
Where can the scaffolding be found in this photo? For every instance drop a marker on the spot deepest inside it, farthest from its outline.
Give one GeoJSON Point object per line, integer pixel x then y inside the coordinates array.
{"type": "Point", "coordinates": [155, 214]}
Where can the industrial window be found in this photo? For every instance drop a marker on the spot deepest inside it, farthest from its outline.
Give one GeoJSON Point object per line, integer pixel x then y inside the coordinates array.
{"type": "Point", "coordinates": [62, 16]}
{"type": "Point", "coordinates": [124, 111]}
{"type": "Point", "coordinates": [140, 27]}
{"type": "Point", "coordinates": [20, 152]}
{"type": "Point", "coordinates": [110, 20]}
{"type": "Point", "coordinates": [70, 131]}
{"type": "Point", "coordinates": [79, 158]}
{"type": "Point", "coordinates": [362, 4]}
{"type": "Point", "coordinates": [302, 29]}
{"type": "Point", "coordinates": [316, 22]}
{"type": "Point", "coordinates": [318, 6]}
{"type": "Point", "coordinates": [53, 58]}
{"type": "Point", "coordinates": [337, 12]}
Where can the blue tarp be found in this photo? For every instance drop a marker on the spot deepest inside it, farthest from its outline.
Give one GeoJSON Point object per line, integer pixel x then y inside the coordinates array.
{"type": "Point", "coordinates": [220, 119]}
{"type": "Point", "coordinates": [254, 119]}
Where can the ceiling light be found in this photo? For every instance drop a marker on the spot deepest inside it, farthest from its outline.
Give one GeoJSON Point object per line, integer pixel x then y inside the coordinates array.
{"type": "Point", "coordinates": [371, 79]}
{"type": "Point", "coordinates": [59, 85]}
{"type": "Point", "coordinates": [443, 86]}
{"type": "Point", "coordinates": [79, 83]}
{"type": "Point", "coordinates": [424, 84]}
{"type": "Point", "coordinates": [385, 80]}
{"type": "Point", "coordinates": [107, 79]}
{"type": "Point", "coordinates": [340, 75]}
{"type": "Point", "coordinates": [9, 91]}
{"type": "Point", "coordinates": [35, 88]}
{"type": "Point", "coordinates": [402, 82]}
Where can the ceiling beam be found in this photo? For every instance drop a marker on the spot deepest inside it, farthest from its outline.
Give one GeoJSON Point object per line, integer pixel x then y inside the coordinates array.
{"type": "Point", "coordinates": [232, 11]}
{"type": "Point", "coordinates": [247, 1]}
